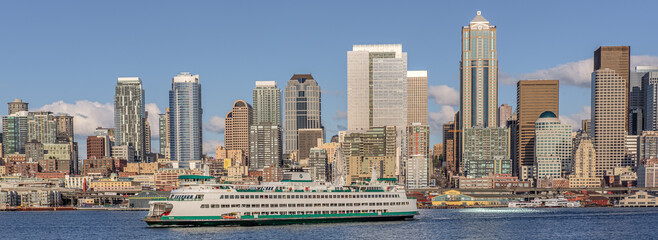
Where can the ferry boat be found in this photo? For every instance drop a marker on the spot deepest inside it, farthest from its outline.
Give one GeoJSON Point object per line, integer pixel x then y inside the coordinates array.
{"type": "Point", "coordinates": [200, 201]}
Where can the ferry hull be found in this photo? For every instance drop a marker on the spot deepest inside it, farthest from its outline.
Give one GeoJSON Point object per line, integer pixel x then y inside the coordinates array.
{"type": "Point", "coordinates": [274, 221]}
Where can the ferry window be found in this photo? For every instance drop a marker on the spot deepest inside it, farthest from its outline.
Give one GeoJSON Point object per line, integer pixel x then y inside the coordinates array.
{"type": "Point", "coordinates": [235, 205]}
{"type": "Point", "coordinates": [255, 205]}
{"type": "Point", "coordinates": [274, 205]}
{"type": "Point", "coordinates": [204, 206]}
{"type": "Point", "coordinates": [309, 205]}
{"type": "Point", "coordinates": [225, 206]}
{"type": "Point", "coordinates": [214, 206]}
{"type": "Point", "coordinates": [317, 204]}
{"type": "Point", "coordinates": [241, 196]}
{"type": "Point", "coordinates": [265, 205]}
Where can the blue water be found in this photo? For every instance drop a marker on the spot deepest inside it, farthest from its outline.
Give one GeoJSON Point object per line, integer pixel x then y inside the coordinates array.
{"type": "Point", "coordinates": [501, 223]}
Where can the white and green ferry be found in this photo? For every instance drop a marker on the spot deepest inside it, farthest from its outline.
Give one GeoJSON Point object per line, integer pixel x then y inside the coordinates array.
{"type": "Point", "coordinates": [200, 201]}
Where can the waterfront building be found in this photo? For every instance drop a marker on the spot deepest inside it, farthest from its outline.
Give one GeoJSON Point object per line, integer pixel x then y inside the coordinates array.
{"type": "Point", "coordinates": [99, 147]}
{"type": "Point", "coordinates": [303, 108]}
{"type": "Point", "coordinates": [479, 74]}
{"type": "Point", "coordinates": [164, 131]}
{"type": "Point", "coordinates": [142, 168]}
{"type": "Point", "coordinates": [185, 119]}
{"type": "Point", "coordinates": [17, 106]}
{"type": "Point", "coordinates": [267, 103]}
{"type": "Point", "coordinates": [486, 151]}
{"type": "Point", "coordinates": [114, 184]}
{"type": "Point", "coordinates": [533, 98]}
{"type": "Point", "coordinates": [504, 114]}
{"type": "Point", "coordinates": [417, 97]}
{"type": "Point", "coordinates": [166, 179]}
{"type": "Point", "coordinates": [584, 166]}
{"type": "Point", "coordinates": [490, 181]}
{"type": "Point", "coordinates": [374, 148]}
{"type": "Point", "coordinates": [272, 173]}
{"type": "Point", "coordinates": [309, 138]}
{"type": "Point", "coordinates": [639, 199]}
{"type": "Point", "coordinates": [319, 164]}
{"type": "Point", "coordinates": [129, 114]}
{"type": "Point", "coordinates": [552, 147]}
{"type": "Point", "coordinates": [15, 133]}
{"type": "Point", "coordinates": [264, 145]}
{"type": "Point", "coordinates": [238, 122]}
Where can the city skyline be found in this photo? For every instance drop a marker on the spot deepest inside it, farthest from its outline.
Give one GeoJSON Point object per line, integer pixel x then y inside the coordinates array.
{"type": "Point", "coordinates": [330, 71]}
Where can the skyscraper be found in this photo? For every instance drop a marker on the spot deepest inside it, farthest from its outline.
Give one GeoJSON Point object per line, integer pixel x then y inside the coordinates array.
{"type": "Point", "coordinates": [147, 135]}
{"type": "Point", "coordinates": [17, 106]}
{"type": "Point", "coordinates": [303, 108]}
{"type": "Point", "coordinates": [15, 133]}
{"type": "Point", "coordinates": [608, 116]}
{"type": "Point", "coordinates": [650, 101]}
{"type": "Point", "coordinates": [533, 98]}
{"type": "Point", "coordinates": [610, 81]}
{"type": "Point", "coordinates": [163, 125]}
{"type": "Point", "coordinates": [418, 155]}
{"type": "Point", "coordinates": [185, 119]}
{"type": "Point", "coordinates": [417, 97]}
{"type": "Point", "coordinates": [552, 147]}
{"type": "Point", "coordinates": [238, 121]}
{"type": "Point", "coordinates": [617, 59]}
{"type": "Point", "coordinates": [267, 103]}
{"type": "Point", "coordinates": [486, 151]}
{"type": "Point", "coordinates": [377, 87]}
{"type": "Point", "coordinates": [479, 74]}
{"type": "Point", "coordinates": [265, 134]}
{"type": "Point", "coordinates": [129, 115]}
{"type": "Point", "coordinates": [65, 132]}
{"type": "Point", "coordinates": [584, 167]}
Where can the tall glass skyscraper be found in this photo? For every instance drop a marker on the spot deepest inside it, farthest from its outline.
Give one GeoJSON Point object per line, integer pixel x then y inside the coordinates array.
{"type": "Point", "coordinates": [15, 131]}
{"type": "Point", "coordinates": [185, 138]}
{"type": "Point", "coordinates": [479, 74]}
{"type": "Point", "coordinates": [129, 115]}
{"type": "Point", "coordinates": [303, 108]}
{"type": "Point", "coordinates": [376, 87]}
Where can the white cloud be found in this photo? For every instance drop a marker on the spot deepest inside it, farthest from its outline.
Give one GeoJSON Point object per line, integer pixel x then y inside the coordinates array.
{"type": "Point", "coordinates": [437, 119]}
{"type": "Point", "coordinates": [87, 115]}
{"type": "Point", "coordinates": [154, 119]}
{"type": "Point", "coordinates": [444, 95]}
{"type": "Point", "coordinates": [216, 124]}
{"type": "Point", "coordinates": [210, 145]}
{"type": "Point", "coordinates": [340, 115]}
{"type": "Point", "coordinates": [576, 119]}
{"type": "Point", "coordinates": [577, 73]}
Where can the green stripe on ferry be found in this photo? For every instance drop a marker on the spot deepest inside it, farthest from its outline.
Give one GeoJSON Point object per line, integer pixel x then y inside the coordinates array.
{"type": "Point", "coordinates": [288, 216]}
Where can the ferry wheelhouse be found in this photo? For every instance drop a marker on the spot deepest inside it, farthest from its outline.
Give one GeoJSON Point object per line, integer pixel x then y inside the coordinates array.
{"type": "Point", "coordinates": [200, 201]}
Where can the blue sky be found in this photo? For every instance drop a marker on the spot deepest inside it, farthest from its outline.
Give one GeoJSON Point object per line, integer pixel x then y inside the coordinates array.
{"type": "Point", "coordinates": [67, 55]}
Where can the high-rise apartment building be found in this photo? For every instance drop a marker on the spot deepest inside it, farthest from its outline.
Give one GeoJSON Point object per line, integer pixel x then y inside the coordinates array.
{"type": "Point", "coordinates": [647, 146]}
{"type": "Point", "coordinates": [449, 147]}
{"type": "Point", "coordinates": [479, 74]}
{"type": "Point", "coordinates": [236, 156]}
{"type": "Point", "coordinates": [417, 97]}
{"type": "Point", "coordinates": [504, 114]}
{"type": "Point", "coordinates": [185, 119]}
{"type": "Point", "coordinates": [129, 115]}
{"type": "Point", "coordinates": [98, 147]}
{"type": "Point", "coordinates": [42, 127]}
{"type": "Point", "coordinates": [15, 133]}
{"type": "Point", "coordinates": [618, 60]}
{"type": "Point", "coordinates": [147, 136]}
{"type": "Point", "coordinates": [267, 103]}
{"type": "Point", "coordinates": [319, 164]}
{"type": "Point", "coordinates": [533, 98]}
{"type": "Point", "coordinates": [163, 125]}
{"type": "Point", "coordinates": [303, 108]}
{"type": "Point", "coordinates": [264, 146]}
{"type": "Point", "coordinates": [552, 147]}
{"type": "Point", "coordinates": [17, 106]}
{"type": "Point", "coordinates": [610, 81]}
{"type": "Point", "coordinates": [376, 87]}
{"type": "Point", "coordinates": [417, 163]}
{"type": "Point", "coordinates": [238, 122]}
{"type": "Point", "coordinates": [486, 151]}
